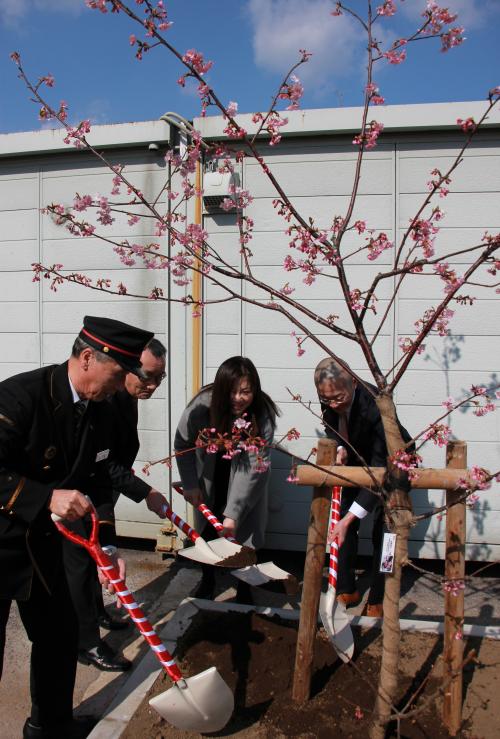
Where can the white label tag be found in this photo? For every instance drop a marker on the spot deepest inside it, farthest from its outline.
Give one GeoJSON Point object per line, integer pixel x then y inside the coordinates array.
{"type": "Point", "coordinates": [388, 549]}
{"type": "Point", "coordinates": [102, 455]}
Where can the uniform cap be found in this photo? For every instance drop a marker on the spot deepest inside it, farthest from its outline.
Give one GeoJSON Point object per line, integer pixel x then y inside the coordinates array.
{"type": "Point", "coordinates": [120, 341]}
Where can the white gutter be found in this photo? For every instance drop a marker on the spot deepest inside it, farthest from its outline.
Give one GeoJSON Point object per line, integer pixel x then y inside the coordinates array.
{"type": "Point", "coordinates": [116, 135]}
{"type": "Point", "coordinates": [322, 121]}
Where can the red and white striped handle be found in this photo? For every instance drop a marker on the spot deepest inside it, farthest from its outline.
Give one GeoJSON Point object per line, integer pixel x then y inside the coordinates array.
{"type": "Point", "coordinates": [111, 573]}
{"type": "Point", "coordinates": [212, 518]}
{"type": "Point", "coordinates": [180, 523]}
{"type": "Point", "coordinates": [334, 547]}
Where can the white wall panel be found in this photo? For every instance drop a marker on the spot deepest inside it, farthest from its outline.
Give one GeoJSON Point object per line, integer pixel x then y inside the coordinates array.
{"type": "Point", "coordinates": [18, 225]}
{"type": "Point", "coordinates": [476, 173]}
{"type": "Point", "coordinates": [318, 178]}
{"type": "Point", "coordinates": [375, 209]}
{"type": "Point", "coordinates": [19, 193]}
{"type": "Point", "coordinates": [17, 255]}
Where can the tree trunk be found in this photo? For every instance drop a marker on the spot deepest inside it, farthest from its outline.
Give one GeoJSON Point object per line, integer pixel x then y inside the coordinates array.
{"type": "Point", "coordinates": [399, 522]}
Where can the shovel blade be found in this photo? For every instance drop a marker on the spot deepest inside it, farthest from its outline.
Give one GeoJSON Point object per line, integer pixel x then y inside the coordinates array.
{"type": "Point", "coordinates": [337, 625]}
{"type": "Point", "coordinates": [202, 703]}
{"type": "Point", "coordinates": [200, 552]}
{"type": "Point", "coordinates": [231, 554]}
{"type": "Point", "coordinates": [267, 572]}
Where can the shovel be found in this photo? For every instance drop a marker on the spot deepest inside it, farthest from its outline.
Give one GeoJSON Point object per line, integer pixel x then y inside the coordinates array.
{"type": "Point", "coordinates": [257, 574]}
{"type": "Point", "coordinates": [220, 552]}
{"type": "Point", "coordinates": [333, 613]}
{"type": "Point", "coordinates": [202, 703]}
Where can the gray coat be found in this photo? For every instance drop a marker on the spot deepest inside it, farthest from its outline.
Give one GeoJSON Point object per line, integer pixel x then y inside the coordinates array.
{"type": "Point", "coordinates": [247, 491]}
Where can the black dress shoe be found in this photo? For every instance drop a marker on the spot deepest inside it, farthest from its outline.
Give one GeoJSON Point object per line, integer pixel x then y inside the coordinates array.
{"type": "Point", "coordinates": [112, 624]}
{"type": "Point", "coordinates": [244, 594]}
{"type": "Point", "coordinates": [104, 658]}
{"type": "Point", "coordinates": [206, 588]}
{"type": "Point", "coordinates": [76, 728]}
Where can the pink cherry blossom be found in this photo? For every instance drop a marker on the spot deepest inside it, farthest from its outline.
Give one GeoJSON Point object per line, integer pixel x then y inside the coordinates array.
{"type": "Point", "coordinates": [468, 125]}
{"type": "Point", "coordinates": [388, 8]}
{"type": "Point", "coordinates": [195, 60]}
{"type": "Point", "coordinates": [406, 345]}
{"type": "Point", "coordinates": [438, 433]}
{"type": "Point", "coordinates": [455, 587]}
{"type": "Point", "coordinates": [395, 57]}
{"type": "Point", "coordinates": [232, 109]}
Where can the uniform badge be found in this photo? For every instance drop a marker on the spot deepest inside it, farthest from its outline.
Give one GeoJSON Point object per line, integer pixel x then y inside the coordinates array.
{"type": "Point", "coordinates": [50, 452]}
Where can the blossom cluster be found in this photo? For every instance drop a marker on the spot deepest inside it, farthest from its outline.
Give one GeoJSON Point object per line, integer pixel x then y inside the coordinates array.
{"type": "Point", "coordinates": [406, 461]}
{"type": "Point", "coordinates": [449, 276]}
{"type": "Point", "coordinates": [438, 433]}
{"type": "Point", "coordinates": [439, 320]}
{"type": "Point", "coordinates": [240, 198]}
{"type": "Point", "coordinates": [241, 439]}
{"type": "Point", "coordinates": [292, 90]}
{"type": "Point", "coordinates": [423, 231]}
{"type": "Point", "coordinates": [368, 137]}
{"type": "Point", "coordinates": [455, 587]}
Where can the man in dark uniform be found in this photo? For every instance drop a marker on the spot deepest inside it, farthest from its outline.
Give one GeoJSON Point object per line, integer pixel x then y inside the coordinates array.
{"type": "Point", "coordinates": [352, 418]}
{"type": "Point", "coordinates": [81, 572]}
{"type": "Point", "coordinates": [53, 447]}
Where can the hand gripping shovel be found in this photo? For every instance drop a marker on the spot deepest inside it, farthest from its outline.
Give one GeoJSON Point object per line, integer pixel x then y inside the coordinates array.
{"type": "Point", "coordinates": [256, 574]}
{"type": "Point", "coordinates": [203, 702]}
{"type": "Point", "coordinates": [220, 552]}
{"type": "Point", "coordinates": [333, 613]}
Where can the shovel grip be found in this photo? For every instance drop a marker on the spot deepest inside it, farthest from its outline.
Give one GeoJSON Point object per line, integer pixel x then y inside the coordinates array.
{"type": "Point", "coordinates": [334, 547]}
{"type": "Point", "coordinates": [111, 573]}
{"type": "Point", "coordinates": [180, 523]}
{"type": "Point", "coordinates": [212, 518]}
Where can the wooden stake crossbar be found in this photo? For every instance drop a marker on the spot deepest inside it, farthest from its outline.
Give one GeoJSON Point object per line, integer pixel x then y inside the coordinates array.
{"type": "Point", "coordinates": [428, 479]}
{"type": "Point", "coordinates": [322, 481]}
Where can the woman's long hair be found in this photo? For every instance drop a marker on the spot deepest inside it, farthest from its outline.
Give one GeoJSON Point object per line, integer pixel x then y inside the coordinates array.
{"type": "Point", "coordinates": [228, 375]}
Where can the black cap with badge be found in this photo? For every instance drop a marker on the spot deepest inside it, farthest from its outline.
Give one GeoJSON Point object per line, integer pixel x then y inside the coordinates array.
{"type": "Point", "coordinates": [120, 341]}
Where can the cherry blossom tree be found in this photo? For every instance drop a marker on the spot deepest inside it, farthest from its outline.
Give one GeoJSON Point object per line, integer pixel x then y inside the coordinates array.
{"type": "Point", "coordinates": [314, 252]}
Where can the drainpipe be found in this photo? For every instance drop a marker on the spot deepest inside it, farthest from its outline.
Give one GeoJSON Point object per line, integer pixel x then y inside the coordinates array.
{"type": "Point", "coordinates": [197, 337]}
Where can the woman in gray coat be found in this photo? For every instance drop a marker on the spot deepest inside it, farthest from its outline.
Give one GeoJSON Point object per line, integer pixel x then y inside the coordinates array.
{"type": "Point", "coordinates": [234, 488]}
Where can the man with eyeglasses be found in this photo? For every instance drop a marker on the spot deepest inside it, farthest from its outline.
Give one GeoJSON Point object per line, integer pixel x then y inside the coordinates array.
{"type": "Point", "coordinates": [85, 589]}
{"type": "Point", "coordinates": [351, 417]}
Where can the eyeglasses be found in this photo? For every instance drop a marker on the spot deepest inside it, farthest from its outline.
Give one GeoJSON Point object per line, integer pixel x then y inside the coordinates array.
{"type": "Point", "coordinates": [328, 401]}
{"type": "Point", "coordinates": [156, 379]}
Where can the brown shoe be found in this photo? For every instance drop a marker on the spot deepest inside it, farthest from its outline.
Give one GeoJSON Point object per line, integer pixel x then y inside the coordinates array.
{"type": "Point", "coordinates": [349, 599]}
{"type": "Point", "coordinates": [374, 610]}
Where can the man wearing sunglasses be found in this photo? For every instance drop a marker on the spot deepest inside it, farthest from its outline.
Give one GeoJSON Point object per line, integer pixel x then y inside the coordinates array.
{"type": "Point", "coordinates": [351, 417]}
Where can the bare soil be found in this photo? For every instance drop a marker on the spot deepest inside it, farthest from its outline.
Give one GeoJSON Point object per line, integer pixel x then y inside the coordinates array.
{"type": "Point", "coordinates": [256, 655]}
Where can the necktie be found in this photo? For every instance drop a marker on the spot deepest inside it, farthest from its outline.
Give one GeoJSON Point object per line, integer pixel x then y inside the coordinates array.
{"type": "Point", "coordinates": [343, 427]}
{"type": "Point", "coordinates": [79, 409]}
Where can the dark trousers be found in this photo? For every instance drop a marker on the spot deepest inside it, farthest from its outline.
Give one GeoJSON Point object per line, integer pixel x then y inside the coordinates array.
{"type": "Point", "coordinates": [346, 582]}
{"type": "Point", "coordinates": [83, 583]}
{"type": "Point", "coordinates": [50, 622]}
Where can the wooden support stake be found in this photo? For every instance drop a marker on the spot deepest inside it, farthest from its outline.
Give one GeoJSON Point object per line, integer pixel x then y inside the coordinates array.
{"type": "Point", "coordinates": [313, 574]}
{"type": "Point", "coordinates": [456, 457]}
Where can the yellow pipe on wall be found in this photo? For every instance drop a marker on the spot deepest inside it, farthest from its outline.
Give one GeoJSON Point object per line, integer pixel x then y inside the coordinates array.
{"type": "Point", "coordinates": [197, 324]}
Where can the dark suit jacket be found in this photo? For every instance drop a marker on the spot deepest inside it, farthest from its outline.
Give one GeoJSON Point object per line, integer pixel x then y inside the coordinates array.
{"type": "Point", "coordinates": [37, 455]}
{"type": "Point", "coordinates": [366, 435]}
{"type": "Point", "coordinates": [125, 445]}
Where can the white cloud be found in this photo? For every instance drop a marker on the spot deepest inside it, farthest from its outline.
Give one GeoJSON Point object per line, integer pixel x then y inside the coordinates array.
{"type": "Point", "coordinates": [282, 27]}
{"type": "Point", "coordinates": [471, 13]}
{"type": "Point", "coordinates": [13, 11]}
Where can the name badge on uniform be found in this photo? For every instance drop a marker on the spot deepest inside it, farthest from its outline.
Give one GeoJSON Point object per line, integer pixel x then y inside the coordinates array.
{"type": "Point", "coordinates": [102, 455]}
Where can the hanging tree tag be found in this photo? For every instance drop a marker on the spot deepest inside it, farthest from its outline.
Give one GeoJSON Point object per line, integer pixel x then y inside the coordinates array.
{"type": "Point", "coordinates": [388, 549]}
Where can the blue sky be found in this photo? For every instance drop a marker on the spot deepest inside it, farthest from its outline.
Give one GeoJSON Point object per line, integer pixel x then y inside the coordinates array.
{"type": "Point", "coordinates": [251, 42]}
